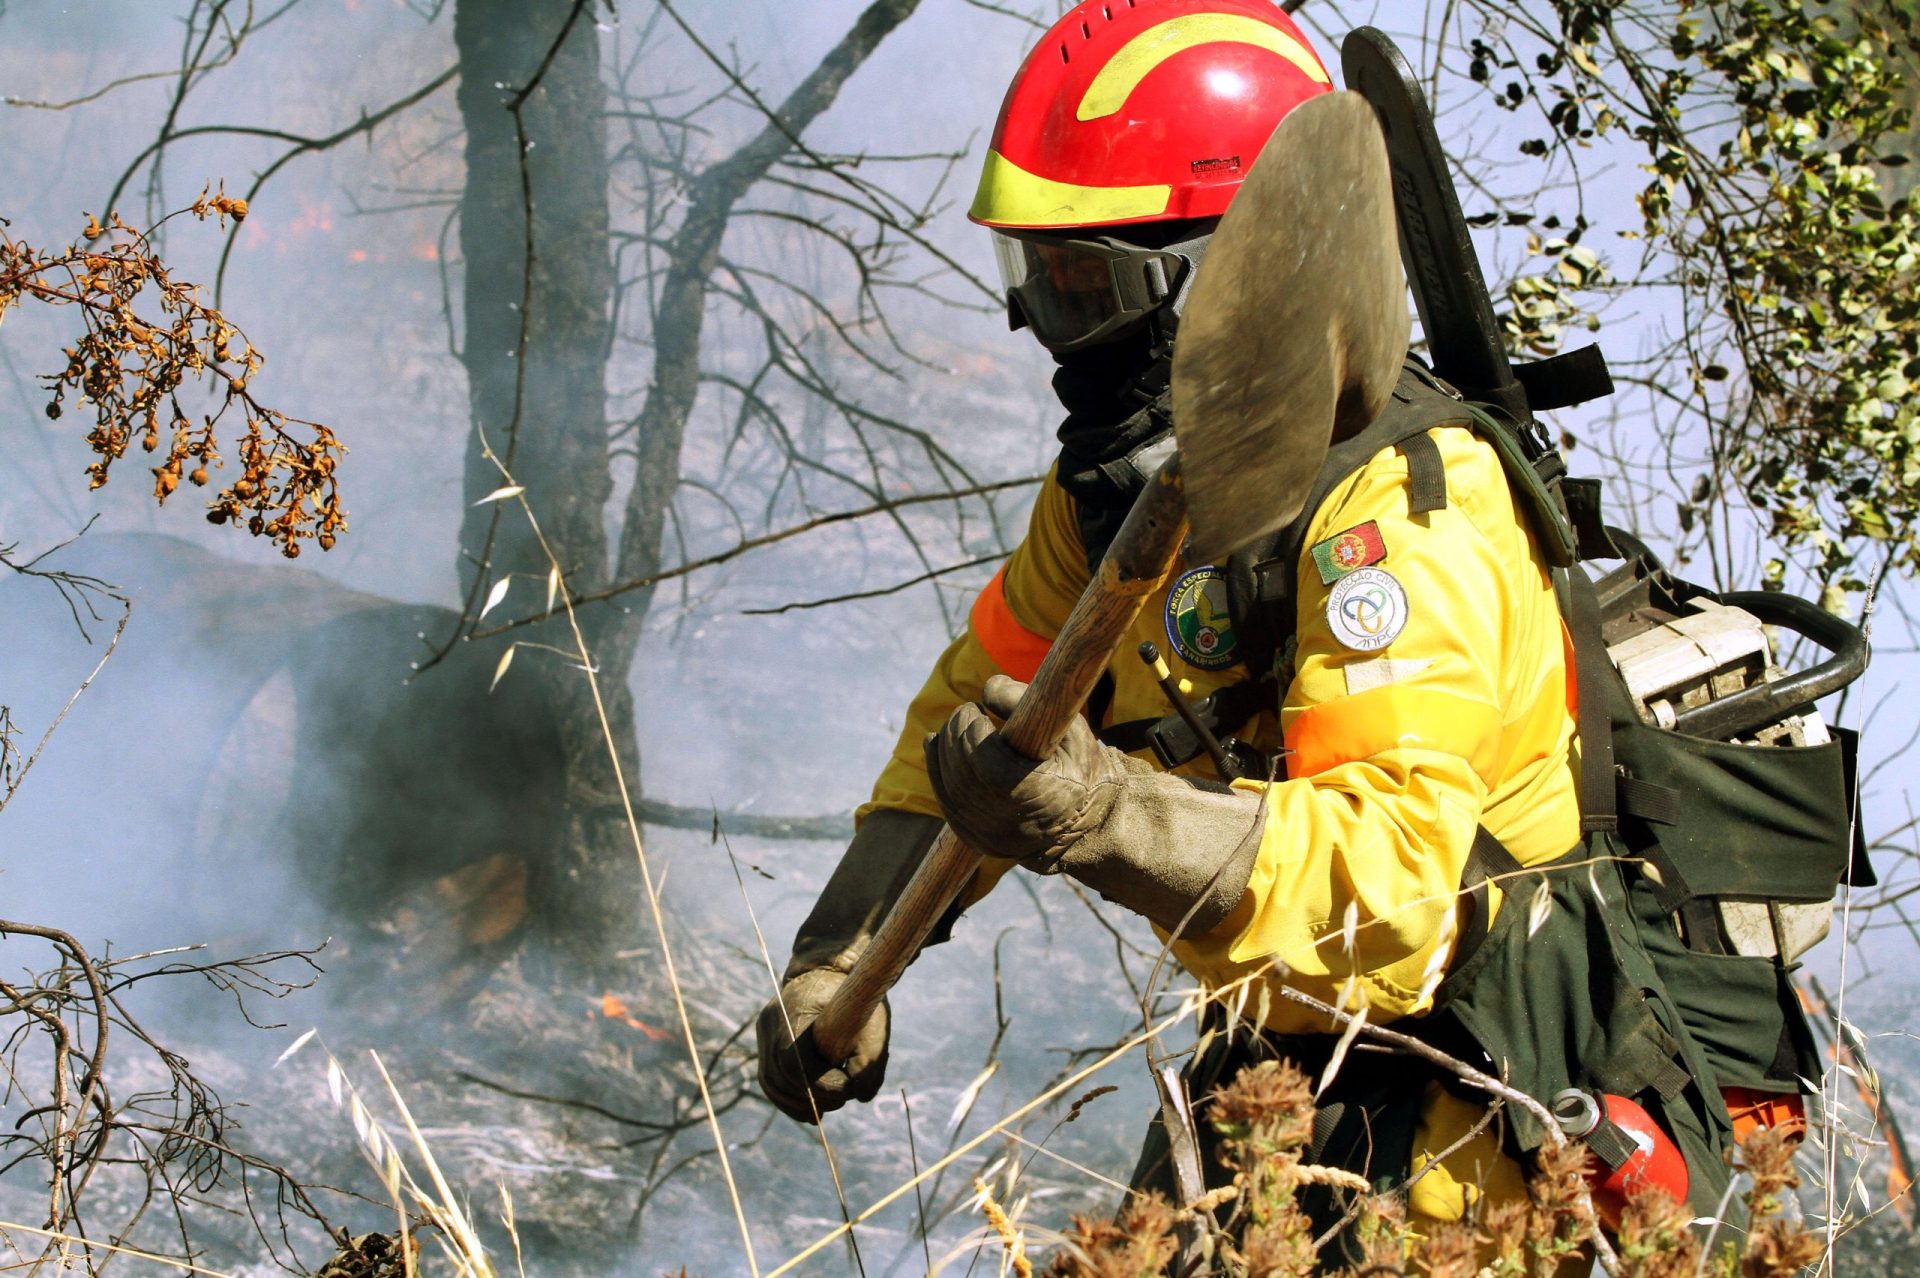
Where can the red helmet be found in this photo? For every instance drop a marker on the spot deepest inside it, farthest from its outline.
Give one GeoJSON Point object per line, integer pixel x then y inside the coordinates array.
{"type": "Point", "coordinates": [1130, 112]}
{"type": "Point", "coordinates": [1143, 111]}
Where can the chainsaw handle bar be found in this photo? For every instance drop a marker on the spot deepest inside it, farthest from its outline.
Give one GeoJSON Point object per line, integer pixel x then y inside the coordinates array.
{"type": "Point", "coordinates": [1135, 565]}
{"type": "Point", "coordinates": [1765, 703]}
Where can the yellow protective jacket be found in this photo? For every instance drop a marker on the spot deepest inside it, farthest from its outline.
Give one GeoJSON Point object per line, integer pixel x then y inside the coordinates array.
{"type": "Point", "coordinates": [1400, 749]}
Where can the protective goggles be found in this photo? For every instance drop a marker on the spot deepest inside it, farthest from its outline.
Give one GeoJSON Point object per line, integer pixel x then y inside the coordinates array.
{"type": "Point", "coordinates": [1074, 293]}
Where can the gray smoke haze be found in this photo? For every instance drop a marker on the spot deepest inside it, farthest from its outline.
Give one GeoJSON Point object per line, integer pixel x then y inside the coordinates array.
{"type": "Point", "coordinates": [179, 802]}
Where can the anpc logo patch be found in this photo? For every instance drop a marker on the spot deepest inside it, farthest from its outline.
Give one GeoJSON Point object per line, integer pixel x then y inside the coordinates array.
{"type": "Point", "coordinates": [1198, 624]}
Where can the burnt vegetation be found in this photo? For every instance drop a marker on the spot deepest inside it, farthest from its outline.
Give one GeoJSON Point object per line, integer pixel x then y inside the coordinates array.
{"type": "Point", "coordinates": [684, 332]}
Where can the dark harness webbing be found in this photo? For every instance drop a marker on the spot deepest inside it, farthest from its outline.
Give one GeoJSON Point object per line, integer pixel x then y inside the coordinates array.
{"type": "Point", "coordinates": [1261, 579]}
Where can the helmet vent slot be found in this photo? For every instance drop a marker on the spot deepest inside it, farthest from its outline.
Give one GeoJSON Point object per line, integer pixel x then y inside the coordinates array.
{"type": "Point", "coordinates": [1086, 31]}
{"type": "Point", "coordinates": [1063, 52]}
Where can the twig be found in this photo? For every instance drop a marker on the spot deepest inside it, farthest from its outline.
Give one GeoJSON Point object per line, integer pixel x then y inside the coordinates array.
{"type": "Point", "coordinates": [755, 543]}
{"type": "Point", "coordinates": [13, 782]}
{"type": "Point", "coordinates": [674, 816]}
{"type": "Point", "coordinates": [919, 1198]}
{"type": "Point", "coordinates": [1473, 1078]}
{"type": "Point", "coordinates": [566, 1102]}
{"type": "Point", "coordinates": [894, 589]}
{"type": "Point", "coordinates": [300, 145]}
{"type": "Point", "coordinates": [1007, 12]}
{"type": "Point", "coordinates": [94, 1244]}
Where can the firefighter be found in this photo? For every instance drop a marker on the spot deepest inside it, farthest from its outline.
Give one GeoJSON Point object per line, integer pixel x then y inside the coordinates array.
{"type": "Point", "coordinates": [1421, 701]}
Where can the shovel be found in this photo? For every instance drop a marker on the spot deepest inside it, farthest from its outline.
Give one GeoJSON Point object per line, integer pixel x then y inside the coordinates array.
{"type": "Point", "coordinates": [1294, 332]}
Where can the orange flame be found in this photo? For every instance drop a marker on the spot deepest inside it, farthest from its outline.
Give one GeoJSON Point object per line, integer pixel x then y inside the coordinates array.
{"type": "Point", "coordinates": [615, 1008]}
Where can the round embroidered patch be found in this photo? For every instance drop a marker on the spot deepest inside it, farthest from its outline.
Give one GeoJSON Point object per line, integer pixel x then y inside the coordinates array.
{"type": "Point", "coordinates": [1198, 624]}
{"type": "Point", "coordinates": [1367, 609]}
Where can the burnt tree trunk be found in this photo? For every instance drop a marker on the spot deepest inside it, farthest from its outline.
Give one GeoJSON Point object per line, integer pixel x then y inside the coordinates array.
{"type": "Point", "coordinates": [538, 388]}
{"type": "Point", "coordinates": [537, 335]}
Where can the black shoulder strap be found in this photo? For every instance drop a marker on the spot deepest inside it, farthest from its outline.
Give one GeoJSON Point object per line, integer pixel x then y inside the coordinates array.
{"type": "Point", "coordinates": [1592, 540]}
{"type": "Point", "coordinates": [1426, 474]}
{"type": "Point", "coordinates": [1487, 859]}
{"type": "Point", "coordinates": [1260, 579]}
{"type": "Point", "coordinates": [1593, 687]}
{"type": "Point", "coordinates": [1535, 475]}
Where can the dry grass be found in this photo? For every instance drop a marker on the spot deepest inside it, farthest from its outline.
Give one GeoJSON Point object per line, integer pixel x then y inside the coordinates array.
{"type": "Point", "coordinates": [436, 1211]}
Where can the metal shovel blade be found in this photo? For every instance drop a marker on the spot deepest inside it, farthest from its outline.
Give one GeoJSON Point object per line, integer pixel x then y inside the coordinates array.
{"type": "Point", "coordinates": [1296, 326]}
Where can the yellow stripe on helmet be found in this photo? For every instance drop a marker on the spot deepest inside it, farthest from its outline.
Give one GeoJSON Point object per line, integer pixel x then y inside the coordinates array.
{"type": "Point", "coordinates": [1011, 196]}
{"type": "Point", "coordinates": [1139, 56]}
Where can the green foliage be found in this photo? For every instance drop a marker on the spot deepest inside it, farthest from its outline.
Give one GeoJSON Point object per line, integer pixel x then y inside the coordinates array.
{"type": "Point", "coordinates": [1766, 133]}
{"type": "Point", "coordinates": [1540, 308]}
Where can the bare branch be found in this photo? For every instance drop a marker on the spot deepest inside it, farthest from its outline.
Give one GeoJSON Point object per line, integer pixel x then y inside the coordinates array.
{"type": "Point", "coordinates": [755, 543]}
{"type": "Point", "coordinates": [894, 589]}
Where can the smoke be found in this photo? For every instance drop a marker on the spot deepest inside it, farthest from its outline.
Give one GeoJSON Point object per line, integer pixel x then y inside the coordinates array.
{"type": "Point", "coordinates": [258, 766]}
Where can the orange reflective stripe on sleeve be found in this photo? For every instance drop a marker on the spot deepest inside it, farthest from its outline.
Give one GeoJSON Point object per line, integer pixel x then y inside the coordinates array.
{"type": "Point", "coordinates": [1016, 650]}
{"type": "Point", "coordinates": [1394, 718]}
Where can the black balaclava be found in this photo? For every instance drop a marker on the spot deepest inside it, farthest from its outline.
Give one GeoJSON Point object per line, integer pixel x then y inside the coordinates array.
{"type": "Point", "coordinates": [1119, 402]}
{"type": "Point", "coordinates": [1119, 425]}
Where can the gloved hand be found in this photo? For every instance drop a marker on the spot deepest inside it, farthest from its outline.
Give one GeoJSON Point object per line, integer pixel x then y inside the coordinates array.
{"type": "Point", "coordinates": [789, 1069]}
{"type": "Point", "coordinates": [1005, 804]}
{"type": "Point", "coordinates": [1176, 850]}
{"type": "Point", "coordinates": [876, 867]}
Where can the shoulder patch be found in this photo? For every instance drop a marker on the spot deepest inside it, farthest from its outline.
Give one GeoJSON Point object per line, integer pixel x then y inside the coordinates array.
{"type": "Point", "coordinates": [1356, 548]}
{"type": "Point", "coordinates": [1199, 626]}
{"type": "Point", "coordinates": [1367, 610]}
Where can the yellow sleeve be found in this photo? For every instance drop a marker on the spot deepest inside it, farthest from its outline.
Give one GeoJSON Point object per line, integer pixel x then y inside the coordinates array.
{"type": "Point", "coordinates": [1423, 679]}
{"type": "Point", "coordinates": [1009, 629]}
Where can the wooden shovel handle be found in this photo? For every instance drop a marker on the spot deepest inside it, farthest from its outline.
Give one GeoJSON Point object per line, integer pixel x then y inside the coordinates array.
{"type": "Point", "coordinates": [1134, 566]}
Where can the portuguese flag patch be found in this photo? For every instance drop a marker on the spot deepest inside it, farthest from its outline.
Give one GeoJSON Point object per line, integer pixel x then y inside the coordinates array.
{"type": "Point", "coordinates": [1342, 553]}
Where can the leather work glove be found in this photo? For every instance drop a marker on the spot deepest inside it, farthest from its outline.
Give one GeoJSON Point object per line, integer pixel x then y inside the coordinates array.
{"type": "Point", "coordinates": [1175, 850]}
{"type": "Point", "coordinates": [878, 863]}
{"type": "Point", "coordinates": [791, 1068]}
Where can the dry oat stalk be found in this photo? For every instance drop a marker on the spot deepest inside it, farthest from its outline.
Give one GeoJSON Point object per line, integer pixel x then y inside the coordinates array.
{"type": "Point", "coordinates": [1010, 1238]}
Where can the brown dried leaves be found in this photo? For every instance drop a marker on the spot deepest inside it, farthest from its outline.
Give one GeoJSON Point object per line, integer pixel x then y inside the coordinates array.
{"type": "Point", "coordinates": [128, 367]}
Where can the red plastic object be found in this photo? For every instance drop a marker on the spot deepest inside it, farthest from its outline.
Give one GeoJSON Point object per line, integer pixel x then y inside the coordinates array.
{"type": "Point", "coordinates": [1143, 111]}
{"type": "Point", "coordinates": [1656, 1162]}
{"type": "Point", "coordinates": [1751, 1110]}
